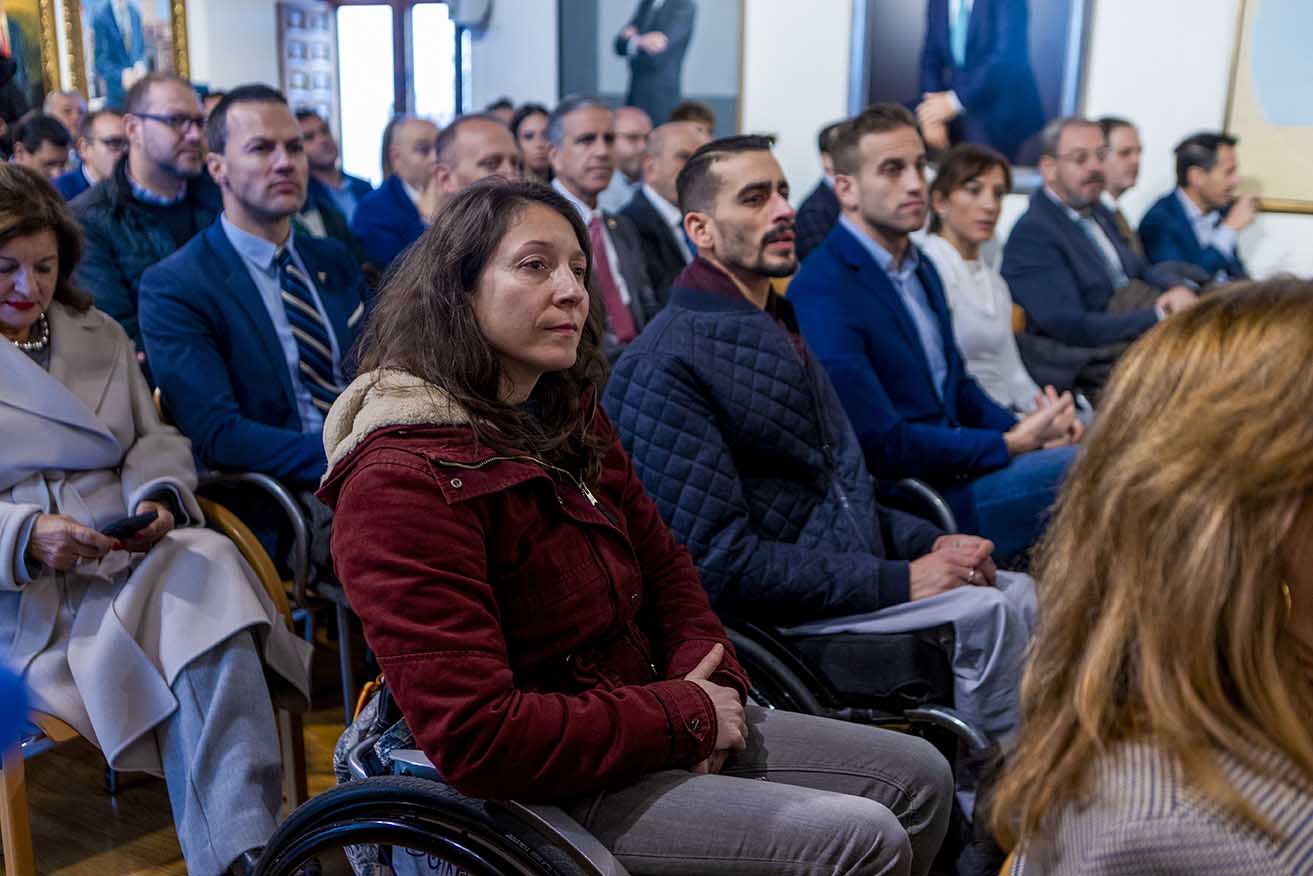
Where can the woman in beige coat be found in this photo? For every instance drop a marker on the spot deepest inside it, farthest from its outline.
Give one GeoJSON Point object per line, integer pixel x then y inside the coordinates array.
{"type": "Point", "coordinates": [154, 647]}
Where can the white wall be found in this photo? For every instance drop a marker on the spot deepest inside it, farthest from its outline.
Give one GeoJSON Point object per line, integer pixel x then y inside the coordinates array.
{"type": "Point", "coordinates": [516, 55]}
{"type": "Point", "coordinates": [232, 42]}
{"type": "Point", "coordinates": [795, 78]}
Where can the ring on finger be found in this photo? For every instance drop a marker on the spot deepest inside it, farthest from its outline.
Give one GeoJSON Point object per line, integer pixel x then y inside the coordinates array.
{"type": "Point", "coordinates": [971, 576]}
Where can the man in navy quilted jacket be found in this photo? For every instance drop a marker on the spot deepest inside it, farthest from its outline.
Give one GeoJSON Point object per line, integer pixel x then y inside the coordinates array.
{"type": "Point", "coordinates": [739, 436]}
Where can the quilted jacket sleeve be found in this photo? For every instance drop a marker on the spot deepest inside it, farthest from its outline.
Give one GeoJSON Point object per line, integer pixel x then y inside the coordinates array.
{"type": "Point", "coordinates": [681, 456]}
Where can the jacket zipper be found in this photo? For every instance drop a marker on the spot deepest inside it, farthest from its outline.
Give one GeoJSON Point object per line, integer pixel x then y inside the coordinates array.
{"type": "Point", "coordinates": [583, 488]}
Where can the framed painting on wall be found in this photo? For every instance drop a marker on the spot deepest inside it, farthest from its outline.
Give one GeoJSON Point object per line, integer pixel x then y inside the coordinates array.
{"type": "Point", "coordinates": [1268, 107]}
{"type": "Point", "coordinates": [29, 60]}
{"type": "Point", "coordinates": [654, 55]}
{"type": "Point", "coordinates": [116, 42]}
{"type": "Point", "coordinates": [1011, 65]}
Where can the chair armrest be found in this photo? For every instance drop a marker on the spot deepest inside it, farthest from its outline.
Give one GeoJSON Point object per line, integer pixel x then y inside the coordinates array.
{"type": "Point", "coordinates": [295, 519]}
{"type": "Point", "coordinates": [252, 551]}
{"type": "Point", "coordinates": [925, 501]}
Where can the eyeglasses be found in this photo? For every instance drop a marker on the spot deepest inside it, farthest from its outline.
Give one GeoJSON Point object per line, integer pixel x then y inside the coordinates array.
{"type": "Point", "coordinates": [179, 123]}
{"type": "Point", "coordinates": [1082, 156]}
{"type": "Point", "coordinates": [113, 144]}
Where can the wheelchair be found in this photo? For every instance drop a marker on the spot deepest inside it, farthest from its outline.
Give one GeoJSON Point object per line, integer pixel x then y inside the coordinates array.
{"type": "Point", "coordinates": [392, 814]}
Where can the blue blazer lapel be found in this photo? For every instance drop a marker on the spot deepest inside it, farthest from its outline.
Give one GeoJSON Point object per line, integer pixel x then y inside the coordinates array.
{"type": "Point", "coordinates": [241, 288]}
{"type": "Point", "coordinates": [1077, 239]}
{"type": "Point", "coordinates": [877, 286]}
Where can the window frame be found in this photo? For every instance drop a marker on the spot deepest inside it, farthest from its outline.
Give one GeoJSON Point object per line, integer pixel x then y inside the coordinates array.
{"type": "Point", "coordinates": [403, 65]}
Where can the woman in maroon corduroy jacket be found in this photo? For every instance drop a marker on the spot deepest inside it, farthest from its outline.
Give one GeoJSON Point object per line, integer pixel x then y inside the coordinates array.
{"type": "Point", "coordinates": [543, 632]}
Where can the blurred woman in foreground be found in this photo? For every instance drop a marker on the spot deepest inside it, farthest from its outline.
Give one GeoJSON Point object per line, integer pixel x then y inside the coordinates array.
{"type": "Point", "coordinates": [1167, 708]}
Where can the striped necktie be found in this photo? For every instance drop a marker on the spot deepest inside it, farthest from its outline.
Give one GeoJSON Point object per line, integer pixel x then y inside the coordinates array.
{"type": "Point", "coordinates": [312, 342]}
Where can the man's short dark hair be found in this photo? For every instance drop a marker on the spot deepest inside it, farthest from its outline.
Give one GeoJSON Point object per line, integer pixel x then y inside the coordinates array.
{"type": "Point", "coordinates": [501, 103]}
{"type": "Point", "coordinates": [36, 128]}
{"type": "Point", "coordinates": [89, 121]}
{"type": "Point", "coordinates": [878, 118]}
{"type": "Point", "coordinates": [305, 113]}
{"type": "Point", "coordinates": [447, 138]}
{"type": "Point", "coordinates": [217, 129]}
{"type": "Point", "coordinates": [1200, 150]}
{"type": "Point", "coordinates": [1111, 123]}
{"type": "Point", "coordinates": [138, 96]}
{"type": "Point", "coordinates": [698, 183]}
{"type": "Point", "coordinates": [694, 111]}
{"type": "Point", "coordinates": [569, 104]}
{"type": "Point", "coordinates": [825, 139]}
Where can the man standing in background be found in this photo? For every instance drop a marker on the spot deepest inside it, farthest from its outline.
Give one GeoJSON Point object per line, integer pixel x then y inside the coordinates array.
{"type": "Point", "coordinates": [120, 48]}
{"type": "Point", "coordinates": [655, 41]}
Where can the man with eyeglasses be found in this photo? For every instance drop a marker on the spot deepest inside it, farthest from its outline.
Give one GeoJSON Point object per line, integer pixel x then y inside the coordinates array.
{"type": "Point", "coordinates": [101, 143]}
{"type": "Point", "coordinates": [155, 200]}
{"type": "Point", "coordinates": [1086, 294]}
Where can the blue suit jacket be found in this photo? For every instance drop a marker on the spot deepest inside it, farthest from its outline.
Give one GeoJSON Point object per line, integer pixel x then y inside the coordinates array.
{"type": "Point", "coordinates": [112, 53]}
{"type": "Point", "coordinates": [1169, 236]}
{"type": "Point", "coordinates": [216, 357]}
{"type": "Point", "coordinates": [996, 84]}
{"type": "Point", "coordinates": [386, 222]}
{"type": "Point", "coordinates": [856, 323]}
{"type": "Point", "coordinates": [71, 183]}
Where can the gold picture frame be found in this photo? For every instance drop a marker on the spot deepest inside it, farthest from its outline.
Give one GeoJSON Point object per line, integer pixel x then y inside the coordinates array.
{"type": "Point", "coordinates": [79, 40]}
{"type": "Point", "coordinates": [33, 38]}
{"type": "Point", "coordinates": [1272, 153]}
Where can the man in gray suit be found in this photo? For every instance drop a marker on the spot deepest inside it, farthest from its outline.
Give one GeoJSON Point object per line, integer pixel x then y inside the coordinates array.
{"type": "Point", "coordinates": [654, 41]}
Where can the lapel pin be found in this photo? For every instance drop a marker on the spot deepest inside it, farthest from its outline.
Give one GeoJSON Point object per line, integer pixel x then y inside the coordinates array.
{"type": "Point", "coordinates": [323, 277]}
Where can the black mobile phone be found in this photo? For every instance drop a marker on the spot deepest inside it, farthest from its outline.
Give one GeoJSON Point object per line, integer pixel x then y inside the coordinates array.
{"type": "Point", "coordinates": [129, 526]}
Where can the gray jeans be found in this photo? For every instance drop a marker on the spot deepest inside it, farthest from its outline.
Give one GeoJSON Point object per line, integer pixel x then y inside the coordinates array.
{"type": "Point", "coordinates": [807, 796]}
{"type": "Point", "coordinates": [221, 761]}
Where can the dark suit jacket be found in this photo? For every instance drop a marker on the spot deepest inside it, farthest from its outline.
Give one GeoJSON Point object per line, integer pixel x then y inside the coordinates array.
{"type": "Point", "coordinates": [662, 253]}
{"type": "Point", "coordinates": [856, 322]}
{"type": "Point", "coordinates": [1169, 236]}
{"type": "Point", "coordinates": [318, 197]}
{"type": "Point", "coordinates": [996, 84]}
{"type": "Point", "coordinates": [386, 222]}
{"type": "Point", "coordinates": [815, 219]}
{"type": "Point", "coordinates": [217, 359]}
{"type": "Point", "coordinates": [71, 183]}
{"type": "Point", "coordinates": [654, 83]}
{"type": "Point", "coordinates": [112, 53]}
{"type": "Point", "coordinates": [643, 301]}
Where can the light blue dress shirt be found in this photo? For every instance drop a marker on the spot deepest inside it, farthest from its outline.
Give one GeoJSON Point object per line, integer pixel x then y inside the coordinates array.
{"type": "Point", "coordinates": [259, 256]}
{"type": "Point", "coordinates": [1208, 227]}
{"type": "Point", "coordinates": [344, 198]}
{"type": "Point", "coordinates": [914, 297]}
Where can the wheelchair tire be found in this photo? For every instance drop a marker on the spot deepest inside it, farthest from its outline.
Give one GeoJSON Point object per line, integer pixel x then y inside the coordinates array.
{"type": "Point", "coordinates": [419, 814]}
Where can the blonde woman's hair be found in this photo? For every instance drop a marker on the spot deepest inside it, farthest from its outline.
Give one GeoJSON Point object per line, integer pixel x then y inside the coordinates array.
{"type": "Point", "coordinates": [1160, 580]}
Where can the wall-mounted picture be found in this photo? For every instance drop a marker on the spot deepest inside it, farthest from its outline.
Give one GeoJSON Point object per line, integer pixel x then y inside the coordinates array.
{"type": "Point", "coordinates": [123, 40]}
{"type": "Point", "coordinates": [983, 71]}
{"type": "Point", "coordinates": [654, 54]}
{"type": "Point", "coordinates": [1269, 109]}
{"type": "Point", "coordinates": [28, 64]}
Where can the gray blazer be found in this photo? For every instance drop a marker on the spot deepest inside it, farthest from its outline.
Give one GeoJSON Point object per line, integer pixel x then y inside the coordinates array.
{"type": "Point", "coordinates": [1144, 819]}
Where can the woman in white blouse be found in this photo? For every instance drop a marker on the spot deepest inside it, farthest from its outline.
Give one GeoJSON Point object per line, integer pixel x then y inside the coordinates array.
{"type": "Point", "coordinates": [966, 199]}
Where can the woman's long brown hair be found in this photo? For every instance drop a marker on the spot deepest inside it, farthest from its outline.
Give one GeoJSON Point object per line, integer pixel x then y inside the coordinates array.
{"type": "Point", "coordinates": [423, 323]}
{"type": "Point", "coordinates": [1160, 580]}
{"type": "Point", "coordinates": [29, 204]}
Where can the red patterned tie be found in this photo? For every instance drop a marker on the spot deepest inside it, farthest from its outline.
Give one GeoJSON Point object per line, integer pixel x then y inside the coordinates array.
{"type": "Point", "coordinates": [622, 321]}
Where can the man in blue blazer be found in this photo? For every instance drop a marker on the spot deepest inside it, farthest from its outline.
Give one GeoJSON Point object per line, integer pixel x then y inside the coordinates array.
{"type": "Point", "coordinates": [819, 210]}
{"type": "Point", "coordinates": [120, 46]}
{"type": "Point", "coordinates": [248, 346]}
{"type": "Point", "coordinates": [101, 141]}
{"type": "Point", "coordinates": [976, 76]}
{"type": "Point", "coordinates": [394, 215]}
{"type": "Point", "coordinates": [873, 309]}
{"type": "Point", "coordinates": [655, 40]}
{"type": "Point", "coordinates": [1086, 294]}
{"type": "Point", "coordinates": [1199, 220]}
{"type": "Point", "coordinates": [325, 168]}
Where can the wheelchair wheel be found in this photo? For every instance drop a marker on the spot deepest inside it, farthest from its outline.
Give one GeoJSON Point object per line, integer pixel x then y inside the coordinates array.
{"type": "Point", "coordinates": [426, 827]}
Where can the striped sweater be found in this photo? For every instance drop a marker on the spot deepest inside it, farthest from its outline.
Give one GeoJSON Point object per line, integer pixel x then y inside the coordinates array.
{"type": "Point", "coordinates": [1142, 818]}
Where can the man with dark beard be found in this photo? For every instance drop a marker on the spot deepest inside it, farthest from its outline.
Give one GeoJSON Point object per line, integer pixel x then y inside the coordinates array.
{"type": "Point", "coordinates": [740, 438]}
{"type": "Point", "coordinates": [157, 199]}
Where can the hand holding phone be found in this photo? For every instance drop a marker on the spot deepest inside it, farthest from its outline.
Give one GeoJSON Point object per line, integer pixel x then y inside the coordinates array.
{"type": "Point", "coordinates": [129, 526]}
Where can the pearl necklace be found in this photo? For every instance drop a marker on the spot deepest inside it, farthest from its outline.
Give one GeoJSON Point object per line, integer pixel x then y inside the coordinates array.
{"type": "Point", "coordinates": [36, 345]}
